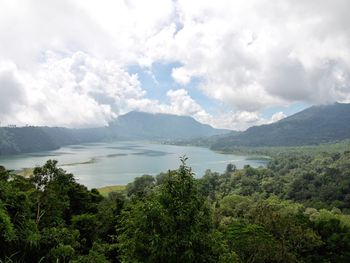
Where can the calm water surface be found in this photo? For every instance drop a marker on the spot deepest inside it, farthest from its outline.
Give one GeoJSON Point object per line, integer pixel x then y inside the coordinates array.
{"type": "Point", "coordinates": [112, 163]}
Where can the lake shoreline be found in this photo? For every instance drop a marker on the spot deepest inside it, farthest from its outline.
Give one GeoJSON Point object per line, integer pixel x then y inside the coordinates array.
{"type": "Point", "coordinates": [118, 163]}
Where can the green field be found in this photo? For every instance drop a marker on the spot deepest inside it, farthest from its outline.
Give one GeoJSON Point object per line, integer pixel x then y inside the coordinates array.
{"type": "Point", "coordinates": [113, 188]}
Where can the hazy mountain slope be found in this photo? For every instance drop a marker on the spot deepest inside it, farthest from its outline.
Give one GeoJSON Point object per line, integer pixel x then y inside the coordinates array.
{"type": "Point", "coordinates": [34, 139]}
{"type": "Point", "coordinates": [7, 144]}
{"type": "Point", "coordinates": [142, 125]}
{"type": "Point", "coordinates": [64, 136]}
{"type": "Point", "coordinates": [24, 139]}
{"type": "Point", "coordinates": [317, 124]}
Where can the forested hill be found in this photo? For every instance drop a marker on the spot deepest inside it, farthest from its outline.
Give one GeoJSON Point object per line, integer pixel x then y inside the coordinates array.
{"type": "Point", "coordinates": [34, 139]}
{"type": "Point", "coordinates": [131, 126]}
{"type": "Point", "coordinates": [315, 125]}
{"type": "Point", "coordinates": [142, 125]}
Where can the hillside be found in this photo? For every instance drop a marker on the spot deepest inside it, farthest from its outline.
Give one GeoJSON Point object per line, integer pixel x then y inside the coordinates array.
{"type": "Point", "coordinates": [315, 125]}
{"type": "Point", "coordinates": [33, 139]}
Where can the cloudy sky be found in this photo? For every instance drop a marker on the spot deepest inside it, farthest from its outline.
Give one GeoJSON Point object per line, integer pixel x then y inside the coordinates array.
{"type": "Point", "coordinates": [229, 63]}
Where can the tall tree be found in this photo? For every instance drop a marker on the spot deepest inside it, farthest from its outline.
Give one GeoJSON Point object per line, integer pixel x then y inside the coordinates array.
{"type": "Point", "coordinates": [173, 224]}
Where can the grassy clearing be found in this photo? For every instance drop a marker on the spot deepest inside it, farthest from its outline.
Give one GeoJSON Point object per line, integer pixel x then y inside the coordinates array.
{"type": "Point", "coordinates": [112, 188]}
{"type": "Point", "coordinates": [26, 172]}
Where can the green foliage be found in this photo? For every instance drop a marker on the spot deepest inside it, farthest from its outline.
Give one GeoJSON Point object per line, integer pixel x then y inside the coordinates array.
{"type": "Point", "coordinates": [243, 215]}
{"type": "Point", "coordinates": [335, 232]}
{"type": "Point", "coordinates": [320, 181]}
{"type": "Point", "coordinates": [251, 242]}
{"type": "Point", "coordinates": [62, 253]}
{"type": "Point", "coordinates": [106, 190]}
{"type": "Point", "coordinates": [95, 255]}
{"type": "Point", "coordinates": [37, 213]}
{"type": "Point", "coordinates": [282, 232]}
{"type": "Point", "coordinates": [55, 236]}
{"type": "Point", "coordinates": [86, 225]}
{"type": "Point", "coordinates": [170, 225]}
{"type": "Point", "coordinates": [141, 186]}
{"type": "Point", "coordinates": [6, 228]}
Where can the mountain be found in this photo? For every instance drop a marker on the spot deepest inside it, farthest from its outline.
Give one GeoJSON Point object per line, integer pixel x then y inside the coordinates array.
{"type": "Point", "coordinates": [158, 126]}
{"type": "Point", "coordinates": [131, 126]}
{"type": "Point", "coordinates": [315, 125]}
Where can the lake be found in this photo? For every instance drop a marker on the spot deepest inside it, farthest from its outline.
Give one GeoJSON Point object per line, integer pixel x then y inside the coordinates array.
{"type": "Point", "coordinates": [113, 163]}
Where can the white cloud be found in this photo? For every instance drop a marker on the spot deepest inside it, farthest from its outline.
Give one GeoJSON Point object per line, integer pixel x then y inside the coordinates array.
{"type": "Point", "coordinates": [180, 103]}
{"type": "Point", "coordinates": [181, 75]}
{"type": "Point", "coordinates": [254, 54]}
{"type": "Point", "coordinates": [238, 120]}
{"type": "Point", "coordinates": [277, 117]}
{"type": "Point", "coordinates": [81, 91]}
{"type": "Point", "coordinates": [71, 91]}
{"type": "Point", "coordinates": [241, 120]}
{"type": "Point", "coordinates": [12, 93]}
{"type": "Point", "coordinates": [246, 54]}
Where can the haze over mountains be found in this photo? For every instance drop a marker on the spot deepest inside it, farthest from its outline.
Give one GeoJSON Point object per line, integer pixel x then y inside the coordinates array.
{"type": "Point", "coordinates": [131, 126]}
{"type": "Point", "coordinates": [317, 124]}
{"type": "Point", "coordinates": [142, 125]}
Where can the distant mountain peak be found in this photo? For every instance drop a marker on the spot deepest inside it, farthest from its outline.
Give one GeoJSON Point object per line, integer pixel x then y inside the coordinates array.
{"type": "Point", "coordinates": [160, 126]}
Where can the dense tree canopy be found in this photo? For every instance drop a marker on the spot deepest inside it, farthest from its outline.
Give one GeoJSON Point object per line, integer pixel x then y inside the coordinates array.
{"type": "Point", "coordinates": [294, 210]}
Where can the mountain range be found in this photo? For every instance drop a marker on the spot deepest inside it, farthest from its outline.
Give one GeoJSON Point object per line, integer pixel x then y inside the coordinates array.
{"type": "Point", "coordinates": [315, 125]}
{"type": "Point", "coordinates": [131, 126]}
{"type": "Point", "coordinates": [141, 125]}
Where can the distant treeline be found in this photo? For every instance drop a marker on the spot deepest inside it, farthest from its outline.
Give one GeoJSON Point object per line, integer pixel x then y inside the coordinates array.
{"type": "Point", "coordinates": [278, 151]}
{"type": "Point", "coordinates": [294, 210]}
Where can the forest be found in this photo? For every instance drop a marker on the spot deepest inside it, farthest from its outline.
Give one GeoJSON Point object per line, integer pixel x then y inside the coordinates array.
{"type": "Point", "coordinates": [294, 210]}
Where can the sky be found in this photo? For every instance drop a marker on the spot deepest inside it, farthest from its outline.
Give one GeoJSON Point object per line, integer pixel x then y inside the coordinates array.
{"type": "Point", "coordinates": [229, 63]}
